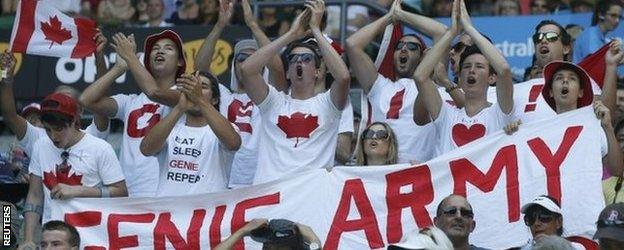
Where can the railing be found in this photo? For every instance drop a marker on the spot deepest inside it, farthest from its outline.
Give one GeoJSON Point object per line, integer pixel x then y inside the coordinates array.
{"type": "Point", "coordinates": [344, 4]}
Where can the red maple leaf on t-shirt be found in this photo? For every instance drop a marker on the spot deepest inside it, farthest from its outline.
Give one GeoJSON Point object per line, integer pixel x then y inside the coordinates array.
{"type": "Point", "coordinates": [54, 31]}
{"type": "Point", "coordinates": [50, 179]}
{"type": "Point", "coordinates": [298, 125]}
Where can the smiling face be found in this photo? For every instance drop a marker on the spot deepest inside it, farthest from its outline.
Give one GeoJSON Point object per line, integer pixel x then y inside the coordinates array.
{"type": "Point", "coordinates": [407, 56]}
{"type": "Point", "coordinates": [547, 51]}
{"type": "Point", "coordinates": [164, 57]}
{"type": "Point", "coordinates": [475, 76]}
{"type": "Point", "coordinates": [455, 218]}
{"type": "Point", "coordinates": [566, 89]}
{"type": "Point", "coordinates": [302, 71]}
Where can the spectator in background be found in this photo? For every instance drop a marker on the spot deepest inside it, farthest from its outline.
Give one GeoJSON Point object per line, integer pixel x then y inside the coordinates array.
{"type": "Point", "coordinates": [610, 233]}
{"type": "Point", "coordinates": [209, 12]}
{"type": "Point", "coordinates": [582, 6]}
{"type": "Point", "coordinates": [507, 8]}
{"type": "Point", "coordinates": [552, 242]}
{"type": "Point", "coordinates": [605, 19]}
{"type": "Point", "coordinates": [9, 7]}
{"type": "Point", "coordinates": [187, 13]}
{"type": "Point", "coordinates": [455, 217]}
{"type": "Point", "coordinates": [58, 235]}
{"type": "Point", "coordinates": [31, 113]}
{"type": "Point", "coordinates": [574, 30]}
{"type": "Point", "coordinates": [561, 6]}
{"type": "Point", "coordinates": [155, 13]}
{"type": "Point", "coordinates": [271, 24]}
{"type": "Point", "coordinates": [378, 146]}
{"type": "Point", "coordinates": [357, 17]}
{"type": "Point", "coordinates": [612, 186]}
{"type": "Point", "coordinates": [540, 7]}
{"type": "Point", "coordinates": [115, 12]}
{"type": "Point", "coordinates": [543, 216]}
{"type": "Point", "coordinates": [141, 12]}
{"type": "Point", "coordinates": [275, 234]}
{"type": "Point", "coordinates": [441, 8]}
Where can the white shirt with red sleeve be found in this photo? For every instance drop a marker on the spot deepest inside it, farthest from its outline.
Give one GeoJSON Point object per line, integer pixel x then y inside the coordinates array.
{"type": "Point", "coordinates": [139, 114]}
{"type": "Point", "coordinates": [455, 128]}
{"type": "Point", "coordinates": [297, 135]}
{"type": "Point", "coordinates": [393, 103]}
{"type": "Point", "coordinates": [193, 161]}
{"type": "Point", "coordinates": [91, 162]}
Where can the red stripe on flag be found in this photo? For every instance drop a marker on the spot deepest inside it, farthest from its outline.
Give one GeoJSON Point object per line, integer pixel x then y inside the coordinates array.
{"type": "Point", "coordinates": [86, 44]}
{"type": "Point", "coordinates": [387, 66]}
{"type": "Point", "coordinates": [25, 26]}
{"type": "Point", "coordinates": [595, 64]}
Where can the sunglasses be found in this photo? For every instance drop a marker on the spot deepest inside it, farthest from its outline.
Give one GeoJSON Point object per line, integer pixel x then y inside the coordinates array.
{"type": "Point", "coordinates": [610, 223]}
{"type": "Point", "coordinates": [410, 46]}
{"type": "Point", "coordinates": [63, 167]}
{"type": "Point", "coordinates": [550, 37]}
{"type": "Point", "coordinates": [305, 58]}
{"type": "Point", "coordinates": [544, 217]}
{"type": "Point", "coordinates": [375, 134]}
{"type": "Point", "coordinates": [241, 57]}
{"type": "Point", "coordinates": [463, 212]}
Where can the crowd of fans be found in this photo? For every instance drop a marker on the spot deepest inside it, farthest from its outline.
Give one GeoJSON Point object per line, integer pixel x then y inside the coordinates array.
{"type": "Point", "coordinates": [200, 141]}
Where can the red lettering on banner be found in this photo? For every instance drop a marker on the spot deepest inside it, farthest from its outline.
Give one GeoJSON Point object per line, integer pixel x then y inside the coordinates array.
{"type": "Point", "coordinates": [354, 189]}
{"type": "Point", "coordinates": [419, 178]}
{"type": "Point", "coordinates": [133, 127]}
{"type": "Point", "coordinates": [116, 242]}
{"type": "Point", "coordinates": [85, 219]}
{"type": "Point", "coordinates": [464, 171]}
{"type": "Point", "coordinates": [552, 162]}
{"type": "Point", "coordinates": [165, 228]}
{"type": "Point", "coordinates": [184, 165]}
{"type": "Point", "coordinates": [215, 226]}
{"type": "Point", "coordinates": [238, 217]}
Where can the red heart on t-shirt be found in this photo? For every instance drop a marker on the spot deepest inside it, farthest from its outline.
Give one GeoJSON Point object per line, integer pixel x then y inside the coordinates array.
{"type": "Point", "coordinates": [463, 135]}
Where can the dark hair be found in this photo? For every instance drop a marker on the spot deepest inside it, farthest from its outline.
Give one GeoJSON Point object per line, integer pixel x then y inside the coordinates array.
{"type": "Point", "coordinates": [602, 6]}
{"type": "Point", "coordinates": [559, 230]}
{"type": "Point", "coordinates": [74, 237]}
{"type": "Point", "coordinates": [214, 87]}
{"type": "Point", "coordinates": [566, 39]}
{"type": "Point", "coordinates": [57, 120]}
{"type": "Point", "coordinates": [471, 50]}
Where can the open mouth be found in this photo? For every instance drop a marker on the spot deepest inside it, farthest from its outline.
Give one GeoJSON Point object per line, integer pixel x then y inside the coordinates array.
{"type": "Point", "coordinates": [544, 50]}
{"type": "Point", "coordinates": [299, 71]}
{"type": "Point", "coordinates": [373, 144]}
{"type": "Point", "coordinates": [471, 80]}
{"type": "Point", "coordinates": [564, 91]}
{"type": "Point", "coordinates": [403, 59]}
{"type": "Point", "coordinates": [159, 59]}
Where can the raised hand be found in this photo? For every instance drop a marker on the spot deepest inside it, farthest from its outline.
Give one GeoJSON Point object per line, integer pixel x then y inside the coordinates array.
{"type": "Point", "coordinates": [253, 224]}
{"type": "Point", "coordinates": [615, 55]}
{"type": "Point", "coordinates": [456, 17]}
{"type": "Point", "coordinates": [512, 127]}
{"type": "Point", "coordinates": [7, 66]}
{"type": "Point", "coordinates": [603, 114]}
{"type": "Point", "coordinates": [63, 191]}
{"type": "Point", "coordinates": [248, 14]}
{"type": "Point", "coordinates": [316, 8]}
{"type": "Point", "coordinates": [100, 42]}
{"type": "Point", "coordinates": [190, 86]}
{"type": "Point", "coordinates": [464, 17]}
{"type": "Point", "coordinates": [125, 46]}
{"type": "Point", "coordinates": [397, 11]}
{"type": "Point", "coordinates": [226, 10]}
{"type": "Point", "coordinates": [298, 28]}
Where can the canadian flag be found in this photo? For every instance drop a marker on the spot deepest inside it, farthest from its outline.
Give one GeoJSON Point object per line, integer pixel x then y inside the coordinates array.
{"type": "Point", "coordinates": [41, 29]}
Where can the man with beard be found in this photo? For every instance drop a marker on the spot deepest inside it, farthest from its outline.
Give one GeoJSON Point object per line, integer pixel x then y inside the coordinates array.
{"type": "Point", "coordinates": [455, 217]}
{"type": "Point", "coordinates": [192, 153]}
{"type": "Point", "coordinates": [299, 126]}
{"type": "Point", "coordinates": [478, 64]}
{"type": "Point", "coordinates": [164, 61]}
{"type": "Point", "coordinates": [392, 101]}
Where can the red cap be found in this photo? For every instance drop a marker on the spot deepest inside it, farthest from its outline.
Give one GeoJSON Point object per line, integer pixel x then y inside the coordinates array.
{"type": "Point", "coordinates": [151, 40]}
{"type": "Point", "coordinates": [61, 104]}
{"type": "Point", "coordinates": [551, 68]}
{"type": "Point", "coordinates": [31, 108]}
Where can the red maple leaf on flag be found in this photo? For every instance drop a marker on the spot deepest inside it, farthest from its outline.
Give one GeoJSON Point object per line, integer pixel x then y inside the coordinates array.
{"type": "Point", "coordinates": [50, 180]}
{"type": "Point", "coordinates": [54, 31]}
{"type": "Point", "coordinates": [298, 125]}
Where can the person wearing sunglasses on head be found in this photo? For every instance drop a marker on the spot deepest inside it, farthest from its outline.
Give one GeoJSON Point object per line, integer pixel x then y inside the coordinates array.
{"type": "Point", "coordinates": [478, 65]}
{"type": "Point", "coordinates": [606, 18]}
{"type": "Point", "coordinates": [543, 216]}
{"type": "Point", "coordinates": [394, 100]}
{"type": "Point", "coordinates": [299, 126]}
{"type": "Point", "coordinates": [455, 217]}
{"type": "Point", "coordinates": [378, 146]}
{"type": "Point", "coordinates": [610, 233]}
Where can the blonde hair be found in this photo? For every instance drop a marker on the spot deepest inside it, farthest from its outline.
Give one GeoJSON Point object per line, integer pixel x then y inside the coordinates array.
{"type": "Point", "coordinates": [393, 148]}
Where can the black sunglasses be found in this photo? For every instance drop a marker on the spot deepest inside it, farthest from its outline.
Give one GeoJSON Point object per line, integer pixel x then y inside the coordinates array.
{"type": "Point", "coordinates": [610, 223]}
{"type": "Point", "coordinates": [550, 37]}
{"type": "Point", "coordinates": [410, 46]}
{"type": "Point", "coordinates": [463, 212]}
{"type": "Point", "coordinates": [375, 134]}
{"type": "Point", "coordinates": [305, 58]}
{"type": "Point", "coordinates": [544, 217]}
{"type": "Point", "coordinates": [241, 57]}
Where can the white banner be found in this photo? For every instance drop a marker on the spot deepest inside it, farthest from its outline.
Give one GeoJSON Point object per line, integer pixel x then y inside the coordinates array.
{"type": "Point", "coordinates": [372, 207]}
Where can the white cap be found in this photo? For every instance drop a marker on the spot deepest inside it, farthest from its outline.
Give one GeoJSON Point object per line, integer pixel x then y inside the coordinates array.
{"type": "Point", "coordinates": [543, 201]}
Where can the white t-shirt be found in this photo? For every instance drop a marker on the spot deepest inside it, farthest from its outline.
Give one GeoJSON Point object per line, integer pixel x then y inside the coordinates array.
{"type": "Point", "coordinates": [297, 134]}
{"type": "Point", "coordinates": [91, 162]}
{"type": "Point", "coordinates": [346, 119]}
{"type": "Point", "coordinates": [192, 160]}
{"type": "Point", "coordinates": [242, 112]}
{"type": "Point", "coordinates": [139, 114]}
{"type": "Point", "coordinates": [393, 103]}
{"type": "Point", "coordinates": [456, 129]}
{"type": "Point", "coordinates": [529, 104]}
{"type": "Point", "coordinates": [34, 133]}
